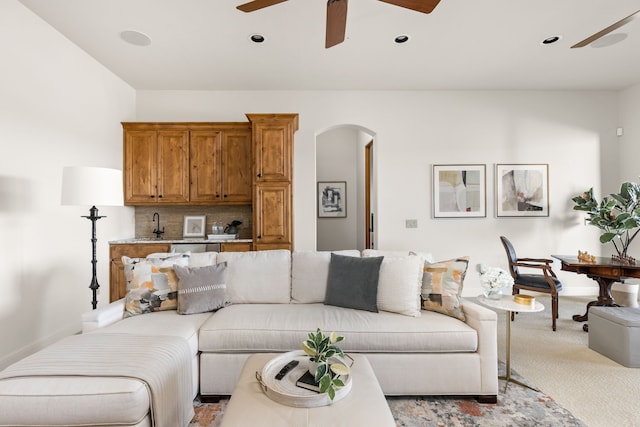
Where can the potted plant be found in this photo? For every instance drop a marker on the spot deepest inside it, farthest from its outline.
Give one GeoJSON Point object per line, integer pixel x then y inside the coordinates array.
{"type": "Point", "coordinates": [618, 216]}
{"type": "Point", "coordinates": [321, 349]}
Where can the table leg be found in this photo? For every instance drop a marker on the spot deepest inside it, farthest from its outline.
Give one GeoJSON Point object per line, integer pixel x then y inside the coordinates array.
{"type": "Point", "coordinates": [604, 300]}
{"type": "Point", "coordinates": [507, 378]}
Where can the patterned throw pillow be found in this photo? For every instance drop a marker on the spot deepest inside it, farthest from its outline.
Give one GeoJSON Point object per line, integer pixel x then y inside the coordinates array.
{"type": "Point", "coordinates": [442, 286]}
{"type": "Point", "coordinates": [202, 289]}
{"type": "Point", "coordinates": [152, 283]}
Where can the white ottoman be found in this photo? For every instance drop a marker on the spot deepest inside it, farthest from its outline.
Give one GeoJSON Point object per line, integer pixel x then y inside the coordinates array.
{"type": "Point", "coordinates": [615, 332]}
{"type": "Point", "coordinates": [365, 405]}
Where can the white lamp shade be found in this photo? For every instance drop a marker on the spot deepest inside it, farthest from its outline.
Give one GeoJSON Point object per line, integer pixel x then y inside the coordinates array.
{"type": "Point", "coordinates": [91, 186]}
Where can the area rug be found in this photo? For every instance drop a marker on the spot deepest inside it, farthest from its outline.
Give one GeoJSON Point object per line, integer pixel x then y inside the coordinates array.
{"type": "Point", "coordinates": [519, 406]}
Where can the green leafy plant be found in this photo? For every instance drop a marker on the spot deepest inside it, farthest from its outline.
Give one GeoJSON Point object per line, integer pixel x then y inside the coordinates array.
{"type": "Point", "coordinates": [617, 215]}
{"type": "Point", "coordinates": [320, 349]}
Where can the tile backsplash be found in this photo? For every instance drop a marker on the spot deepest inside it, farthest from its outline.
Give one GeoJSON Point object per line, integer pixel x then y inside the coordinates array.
{"type": "Point", "coordinates": [172, 219]}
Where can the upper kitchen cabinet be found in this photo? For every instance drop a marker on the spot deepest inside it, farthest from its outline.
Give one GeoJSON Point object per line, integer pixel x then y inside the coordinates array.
{"type": "Point", "coordinates": [273, 145]}
{"type": "Point", "coordinates": [156, 165]}
{"type": "Point", "coordinates": [220, 169]}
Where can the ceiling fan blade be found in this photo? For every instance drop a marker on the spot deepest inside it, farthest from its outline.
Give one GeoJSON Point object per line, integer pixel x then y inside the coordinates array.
{"type": "Point", "coordinates": [606, 31]}
{"type": "Point", "coordinates": [336, 22]}
{"type": "Point", "coordinates": [424, 6]}
{"type": "Point", "coordinates": [257, 4]}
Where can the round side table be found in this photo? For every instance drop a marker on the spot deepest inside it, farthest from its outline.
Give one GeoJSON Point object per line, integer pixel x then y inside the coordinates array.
{"type": "Point", "coordinates": [507, 304]}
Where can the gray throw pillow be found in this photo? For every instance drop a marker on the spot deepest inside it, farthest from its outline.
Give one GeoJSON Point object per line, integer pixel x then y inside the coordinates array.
{"type": "Point", "coordinates": [201, 289]}
{"type": "Point", "coordinates": [353, 282]}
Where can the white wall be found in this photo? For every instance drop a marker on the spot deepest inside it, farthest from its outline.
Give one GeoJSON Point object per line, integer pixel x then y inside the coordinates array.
{"type": "Point", "coordinates": [336, 160]}
{"type": "Point", "coordinates": [58, 107]}
{"type": "Point", "coordinates": [574, 132]}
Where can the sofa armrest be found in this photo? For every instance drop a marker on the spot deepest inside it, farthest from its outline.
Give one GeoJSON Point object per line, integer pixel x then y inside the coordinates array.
{"type": "Point", "coordinates": [485, 322]}
{"type": "Point", "coordinates": [103, 316]}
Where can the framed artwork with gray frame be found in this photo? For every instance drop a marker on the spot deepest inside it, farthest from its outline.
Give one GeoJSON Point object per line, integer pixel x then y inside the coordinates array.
{"type": "Point", "coordinates": [332, 199]}
{"type": "Point", "coordinates": [459, 191]}
{"type": "Point", "coordinates": [522, 190]}
{"type": "Point", "coordinates": [194, 226]}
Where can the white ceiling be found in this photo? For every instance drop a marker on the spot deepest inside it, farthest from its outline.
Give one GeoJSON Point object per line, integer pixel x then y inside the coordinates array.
{"type": "Point", "coordinates": [462, 44]}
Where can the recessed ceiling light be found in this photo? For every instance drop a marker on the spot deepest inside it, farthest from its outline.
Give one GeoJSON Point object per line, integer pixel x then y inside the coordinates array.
{"type": "Point", "coordinates": [135, 38]}
{"type": "Point", "coordinates": [551, 40]}
{"type": "Point", "coordinates": [257, 38]}
{"type": "Point", "coordinates": [403, 38]}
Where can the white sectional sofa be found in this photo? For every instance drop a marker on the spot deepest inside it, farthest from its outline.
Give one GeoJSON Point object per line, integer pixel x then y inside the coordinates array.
{"type": "Point", "coordinates": [276, 298]}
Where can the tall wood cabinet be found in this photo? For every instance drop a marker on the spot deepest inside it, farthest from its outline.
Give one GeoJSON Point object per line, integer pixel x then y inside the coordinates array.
{"type": "Point", "coordinates": [273, 176]}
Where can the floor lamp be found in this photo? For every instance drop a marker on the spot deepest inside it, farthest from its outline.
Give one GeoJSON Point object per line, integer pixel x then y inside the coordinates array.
{"type": "Point", "coordinates": [91, 186]}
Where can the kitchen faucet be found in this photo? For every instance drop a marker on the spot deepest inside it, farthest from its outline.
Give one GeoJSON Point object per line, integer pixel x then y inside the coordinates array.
{"type": "Point", "coordinates": [157, 231]}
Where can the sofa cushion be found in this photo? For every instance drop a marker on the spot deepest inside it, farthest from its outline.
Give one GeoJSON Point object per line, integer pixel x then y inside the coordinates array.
{"type": "Point", "coordinates": [353, 282]}
{"type": "Point", "coordinates": [161, 323]}
{"type": "Point", "coordinates": [309, 273]}
{"type": "Point", "coordinates": [282, 327]}
{"type": "Point", "coordinates": [258, 276]}
{"type": "Point", "coordinates": [151, 283]}
{"type": "Point", "coordinates": [201, 289]}
{"type": "Point", "coordinates": [202, 259]}
{"type": "Point", "coordinates": [399, 285]}
{"type": "Point", "coordinates": [78, 401]}
{"type": "Point", "coordinates": [442, 286]}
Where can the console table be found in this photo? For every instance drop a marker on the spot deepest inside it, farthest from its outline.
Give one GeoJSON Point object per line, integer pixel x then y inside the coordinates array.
{"type": "Point", "coordinates": [605, 271]}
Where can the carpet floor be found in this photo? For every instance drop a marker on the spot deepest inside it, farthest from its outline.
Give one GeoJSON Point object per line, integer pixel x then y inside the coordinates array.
{"type": "Point", "coordinates": [519, 406]}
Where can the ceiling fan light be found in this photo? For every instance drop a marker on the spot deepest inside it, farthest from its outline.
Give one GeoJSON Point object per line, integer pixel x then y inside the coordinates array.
{"type": "Point", "coordinates": [257, 38]}
{"type": "Point", "coordinates": [551, 40]}
{"type": "Point", "coordinates": [403, 38]}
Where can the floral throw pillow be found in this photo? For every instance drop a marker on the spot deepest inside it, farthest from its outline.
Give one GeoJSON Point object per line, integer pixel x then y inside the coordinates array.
{"type": "Point", "coordinates": [152, 284]}
{"type": "Point", "coordinates": [442, 286]}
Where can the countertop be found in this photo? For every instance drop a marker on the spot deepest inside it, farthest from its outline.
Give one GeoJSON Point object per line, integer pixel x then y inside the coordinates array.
{"type": "Point", "coordinates": [148, 240]}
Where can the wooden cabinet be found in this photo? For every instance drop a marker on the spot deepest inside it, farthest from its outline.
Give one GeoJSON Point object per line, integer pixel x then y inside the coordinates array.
{"type": "Point", "coordinates": [235, 247]}
{"type": "Point", "coordinates": [156, 165]}
{"type": "Point", "coordinates": [187, 163]}
{"type": "Point", "coordinates": [220, 166]}
{"type": "Point", "coordinates": [117, 284]}
{"type": "Point", "coordinates": [273, 176]}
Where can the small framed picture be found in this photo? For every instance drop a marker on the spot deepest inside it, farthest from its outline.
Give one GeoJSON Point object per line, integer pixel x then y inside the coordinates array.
{"type": "Point", "coordinates": [332, 199]}
{"type": "Point", "coordinates": [522, 190]}
{"type": "Point", "coordinates": [194, 226]}
{"type": "Point", "coordinates": [459, 191]}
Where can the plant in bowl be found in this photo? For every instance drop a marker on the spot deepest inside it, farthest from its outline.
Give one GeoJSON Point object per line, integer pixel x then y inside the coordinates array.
{"type": "Point", "coordinates": [320, 349]}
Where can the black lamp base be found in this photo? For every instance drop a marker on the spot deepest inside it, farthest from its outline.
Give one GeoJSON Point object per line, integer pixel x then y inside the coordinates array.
{"type": "Point", "coordinates": [93, 217]}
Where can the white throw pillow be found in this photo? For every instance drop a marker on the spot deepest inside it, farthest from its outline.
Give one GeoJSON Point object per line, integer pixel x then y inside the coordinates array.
{"type": "Point", "coordinates": [399, 285]}
{"type": "Point", "coordinates": [309, 273]}
{"type": "Point", "coordinates": [258, 277]}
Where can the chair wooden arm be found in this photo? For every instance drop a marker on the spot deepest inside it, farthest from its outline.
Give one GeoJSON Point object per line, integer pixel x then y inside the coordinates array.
{"type": "Point", "coordinates": [529, 265]}
{"type": "Point", "coordinates": [544, 260]}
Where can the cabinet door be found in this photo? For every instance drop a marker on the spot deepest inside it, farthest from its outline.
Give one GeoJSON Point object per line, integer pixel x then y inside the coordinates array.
{"type": "Point", "coordinates": [173, 166]}
{"type": "Point", "coordinates": [236, 166]}
{"type": "Point", "coordinates": [235, 247]}
{"type": "Point", "coordinates": [117, 283]}
{"type": "Point", "coordinates": [205, 171]}
{"type": "Point", "coordinates": [140, 167]}
{"type": "Point", "coordinates": [274, 150]}
{"type": "Point", "coordinates": [272, 214]}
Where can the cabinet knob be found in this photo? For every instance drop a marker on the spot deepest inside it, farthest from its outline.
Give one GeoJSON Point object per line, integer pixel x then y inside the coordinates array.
{"type": "Point", "coordinates": [259, 237]}
{"type": "Point", "coordinates": [259, 175]}
{"type": "Point", "coordinates": [160, 196]}
{"type": "Point", "coordinates": [152, 196]}
{"type": "Point", "coordinates": [225, 195]}
{"type": "Point", "coordinates": [217, 196]}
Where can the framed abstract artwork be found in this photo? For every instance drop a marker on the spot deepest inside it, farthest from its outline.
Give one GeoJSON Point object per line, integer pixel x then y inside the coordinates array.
{"type": "Point", "coordinates": [459, 191]}
{"type": "Point", "coordinates": [522, 190]}
{"type": "Point", "coordinates": [332, 199]}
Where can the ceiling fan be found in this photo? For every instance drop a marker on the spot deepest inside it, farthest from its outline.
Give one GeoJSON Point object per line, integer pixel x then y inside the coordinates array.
{"type": "Point", "coordinates": [337, 14]}
{"type": "Point", "coordinates": [606, 31]}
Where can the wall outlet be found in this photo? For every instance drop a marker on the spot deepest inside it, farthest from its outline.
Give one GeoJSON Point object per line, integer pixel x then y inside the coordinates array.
{"type": "Point", "coordinates": [411, 223]}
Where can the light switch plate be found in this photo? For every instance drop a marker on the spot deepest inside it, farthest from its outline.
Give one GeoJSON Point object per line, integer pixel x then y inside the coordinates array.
{"type": "Point", "coordinates": [411, 223]}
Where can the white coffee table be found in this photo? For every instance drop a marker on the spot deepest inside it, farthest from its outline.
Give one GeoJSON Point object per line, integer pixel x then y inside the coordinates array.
{"type": "Point", "coordinates": [507, 304]}
{"type": "Point", "coordinates": [365, 405]}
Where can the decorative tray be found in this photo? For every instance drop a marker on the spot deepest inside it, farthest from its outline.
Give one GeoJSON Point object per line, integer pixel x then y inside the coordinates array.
{"type": "Point", "coordinates": [286, 392]}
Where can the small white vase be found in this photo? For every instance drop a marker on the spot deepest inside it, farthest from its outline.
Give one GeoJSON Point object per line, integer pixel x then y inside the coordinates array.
{"type": "Point", "coordinates": [492, 293]}
{"type": "Point", "coordinates": [313, 368]}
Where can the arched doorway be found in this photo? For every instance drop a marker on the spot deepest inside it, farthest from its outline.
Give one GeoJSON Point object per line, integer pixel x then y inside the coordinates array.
{"type": "Point", "coordinates": [344, 163]}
